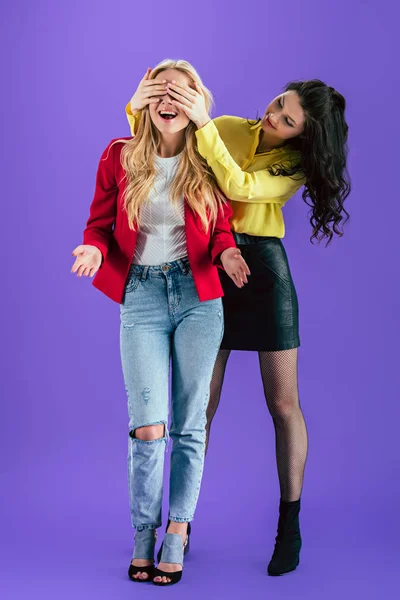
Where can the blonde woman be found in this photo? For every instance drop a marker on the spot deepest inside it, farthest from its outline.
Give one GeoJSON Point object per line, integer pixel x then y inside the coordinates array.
{"type": "Point", "coordinates": [157, 230]}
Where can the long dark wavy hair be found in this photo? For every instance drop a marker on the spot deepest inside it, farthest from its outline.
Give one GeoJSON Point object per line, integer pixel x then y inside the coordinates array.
{"type": "Point", "coordinates": [323, 150]}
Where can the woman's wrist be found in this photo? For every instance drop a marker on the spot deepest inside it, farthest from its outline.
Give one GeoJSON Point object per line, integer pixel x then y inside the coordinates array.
{"type": "Point", "coordinates": [225, 253]}
{"type": "Point", "coordinates": [202, 122]}
{"type": "Point", "coordinates": [134, 110]}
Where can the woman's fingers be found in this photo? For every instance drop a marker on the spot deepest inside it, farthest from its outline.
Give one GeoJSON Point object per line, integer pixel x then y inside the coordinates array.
{"type": "Point", "coordinates": [243, 275]}
{"type": "Point", "coordinates": [243, 264]}
{"type": "Point", "coordinates": [147, 74]}
{"type": "Point", "coordinates": [186, 109]}
{"type": "Point", "coordinates": [76, 265]}
{"type": "Point", "coordinates": [198, 88]}
{"type": "Point", "coordinates": [78, 250]}
{"type": "Point", "coordinates": [186, 92]}
{"type": "Point", "coordinates": [83, 269]}
{"type": "Point", "coordinates": [153, 83]}
{"type": "Point", "coordinates": [237, 280]}
{"type": "Point", "coordinates": [181, 99]}
{"type": "Point", "coordinates": [150, 89]}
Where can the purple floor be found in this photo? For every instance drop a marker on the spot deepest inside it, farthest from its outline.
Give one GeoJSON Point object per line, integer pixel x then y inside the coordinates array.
{"type": "Point", "coordinates": [87, 555]}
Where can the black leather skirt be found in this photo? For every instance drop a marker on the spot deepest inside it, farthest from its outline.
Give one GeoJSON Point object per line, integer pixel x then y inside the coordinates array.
{"type": "Point", "coordinates": [264, 314]}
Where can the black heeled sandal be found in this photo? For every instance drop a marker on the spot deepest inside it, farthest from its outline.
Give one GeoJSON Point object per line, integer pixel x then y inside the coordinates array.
{"type": "Point", "coordinates": [145, 542]}
{"type": "Point", "coordinates": [172, 552]}
{"type": "Point", "coordinates": [186, 547]}
{"type": "Point", "coordinates": [134, 570]}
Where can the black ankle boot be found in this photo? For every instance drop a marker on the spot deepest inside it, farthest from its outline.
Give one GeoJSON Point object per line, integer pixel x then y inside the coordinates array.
{"type": "Point", "coordinates": [288, 541]}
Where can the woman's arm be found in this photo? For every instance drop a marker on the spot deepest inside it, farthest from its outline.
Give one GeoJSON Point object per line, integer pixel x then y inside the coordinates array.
{"type": "Point", "coordinates": [133, 118]}
{"type": "Point", "coordinates": [221, 236]}
{"type": "Point", "coordinates": [149, 91]}
{"type": "Point", "coordinates": [224, 252]}
{"type": "Point", "coordinates": [237, 184]}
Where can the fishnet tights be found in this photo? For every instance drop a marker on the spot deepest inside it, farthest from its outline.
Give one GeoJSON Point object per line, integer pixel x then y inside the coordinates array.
{"type": "Point", "coordinates": [279, 376]}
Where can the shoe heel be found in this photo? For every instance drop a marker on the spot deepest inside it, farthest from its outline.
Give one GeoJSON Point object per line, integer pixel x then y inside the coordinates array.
{"type": "Point", "coordinates": [187, 546]}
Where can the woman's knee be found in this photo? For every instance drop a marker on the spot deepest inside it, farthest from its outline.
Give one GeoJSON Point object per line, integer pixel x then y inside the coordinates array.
{"type": "Point", "coordinates": [285, 407]}
{"type": "Point", "coordinates": [149, 432]}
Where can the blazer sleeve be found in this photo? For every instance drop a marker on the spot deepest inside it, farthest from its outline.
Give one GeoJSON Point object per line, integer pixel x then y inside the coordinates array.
{"type": "Point", "coordinates": [100, 225]}
{"type": "Point", "coordinates": [222, 237]}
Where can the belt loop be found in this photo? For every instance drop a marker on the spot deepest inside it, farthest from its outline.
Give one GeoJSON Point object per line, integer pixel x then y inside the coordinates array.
{"type": "Point", "coordinates": [144, 273]}
{"type": "Point", "coordinates": [187, 264]}
{"type": "Point", "coordinates": [183, 267]}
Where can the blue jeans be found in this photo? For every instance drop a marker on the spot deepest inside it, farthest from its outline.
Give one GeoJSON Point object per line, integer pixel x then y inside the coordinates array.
{"type": "Point", "coordinates": [163, 322]}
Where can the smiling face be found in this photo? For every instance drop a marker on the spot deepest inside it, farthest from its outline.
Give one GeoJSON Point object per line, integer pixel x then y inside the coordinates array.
{"type": "Point", "coordinates": [284, 118]}
{"type": "Point", "coordinates": [167, 117]}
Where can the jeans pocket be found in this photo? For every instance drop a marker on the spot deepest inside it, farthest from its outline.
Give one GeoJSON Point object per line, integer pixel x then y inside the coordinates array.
{"type": "Point", "coordinates": [133, 282]}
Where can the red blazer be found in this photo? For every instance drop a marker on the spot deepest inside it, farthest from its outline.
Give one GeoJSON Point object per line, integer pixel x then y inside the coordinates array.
{"type": "Point", "coordinates": [108, 230]}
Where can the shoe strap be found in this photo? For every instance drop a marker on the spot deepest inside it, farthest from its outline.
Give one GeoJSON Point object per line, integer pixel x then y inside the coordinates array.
{"type": "Point", "coordinates": [145, 542]}
{"type": "Point", "coordinates": [172, 550]}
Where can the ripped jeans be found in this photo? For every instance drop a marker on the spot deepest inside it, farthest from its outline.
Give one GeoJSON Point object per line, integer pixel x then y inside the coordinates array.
{"type": "Point", "coordinates": [163, 322]}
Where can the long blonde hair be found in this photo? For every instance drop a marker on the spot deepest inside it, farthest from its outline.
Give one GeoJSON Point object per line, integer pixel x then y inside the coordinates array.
{"type": "Point", "coordinates": [194, 180]}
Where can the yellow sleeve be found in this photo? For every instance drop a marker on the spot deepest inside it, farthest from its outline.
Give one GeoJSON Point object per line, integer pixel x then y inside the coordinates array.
{"type": "Point", "coordinates": [237, 184]}
{"type": "Point", "coordinates": [133, 120]}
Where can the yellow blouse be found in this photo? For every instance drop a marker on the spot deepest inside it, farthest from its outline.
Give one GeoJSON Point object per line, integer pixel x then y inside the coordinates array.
{"type": "Point", "coordinates": [229, 145]}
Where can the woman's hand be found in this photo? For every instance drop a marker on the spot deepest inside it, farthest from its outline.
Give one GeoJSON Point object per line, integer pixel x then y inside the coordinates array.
{"type": "Point", "coordinates": [148, 92]}
{"type": "Point", "coordinates": [190, 101]}
{"type": "Point", "coordinates": [235, 266]}
{"type": "Point", "coordinates": [88, 260]}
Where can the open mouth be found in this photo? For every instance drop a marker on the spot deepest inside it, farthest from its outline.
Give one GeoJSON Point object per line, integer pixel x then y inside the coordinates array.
{"type": "Point", "coordinates": [167, 115]}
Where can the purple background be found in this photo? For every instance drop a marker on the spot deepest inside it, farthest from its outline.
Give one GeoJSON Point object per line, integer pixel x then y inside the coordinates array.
{"type": "Point", "coordinates": [69, 68]}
